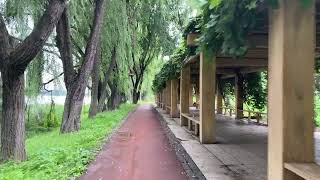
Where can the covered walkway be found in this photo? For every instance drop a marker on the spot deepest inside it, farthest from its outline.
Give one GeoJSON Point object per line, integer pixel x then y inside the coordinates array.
{"type": "Point", "coordinates": [240, 151]}
{"type": "Point", "coordinates": [285, 45]}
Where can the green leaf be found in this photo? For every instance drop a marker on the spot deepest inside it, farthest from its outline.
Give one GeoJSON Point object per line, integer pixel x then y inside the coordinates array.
{"type": "Point", "coordinates": [273, 3]}
{"type": "Point", "coordinates": [214, 3]}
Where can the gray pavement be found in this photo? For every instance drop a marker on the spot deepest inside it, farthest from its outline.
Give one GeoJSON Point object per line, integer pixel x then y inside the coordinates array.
{"type": "Point", "coordinates": [241, 151]}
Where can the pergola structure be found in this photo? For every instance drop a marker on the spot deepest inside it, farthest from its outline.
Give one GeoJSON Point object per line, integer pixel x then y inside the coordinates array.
{"type": "Point", "coordinates": [285, 46]}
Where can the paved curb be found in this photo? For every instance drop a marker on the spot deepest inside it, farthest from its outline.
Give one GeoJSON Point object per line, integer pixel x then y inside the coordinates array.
{"type": "Point", "coordinates": [192, 170]}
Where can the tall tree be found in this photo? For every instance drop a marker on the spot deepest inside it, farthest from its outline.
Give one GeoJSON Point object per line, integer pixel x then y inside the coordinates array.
{"type": "Point", "coordinates": [114, 50]}
{"type": "Point", "coordinates": [99, 85]}
{"type": "Point", "coordinates": [76, 82]}
{"type": "Point", "coordinates": [14, 60]}
{"type": "Point", "coordinates": [151, 36]}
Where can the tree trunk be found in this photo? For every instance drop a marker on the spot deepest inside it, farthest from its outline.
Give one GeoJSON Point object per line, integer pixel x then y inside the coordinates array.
{"type": "Point", "coordinates": [116, 97]}
{"type": "Point", "coordinates": [73, 107]}
{"type": "Point", "coordinates": [102, 96]}
{"type": "Point", "coordinates": [137, 90]}
{"type": "Point", "coordinates": [12, 124]}
{"type": "Point", "coordinates": [111, 99]}
{"type": "Point", "coordinates": [135, 96]}
{"type": "Point", "coordinates": [76, 89]}
{"type": "Point", "coordinates": [13, 63]}
{"type": "Point", "coordinates": [95, 77]}
{"type": "Point", "coordinates": [103, 84]}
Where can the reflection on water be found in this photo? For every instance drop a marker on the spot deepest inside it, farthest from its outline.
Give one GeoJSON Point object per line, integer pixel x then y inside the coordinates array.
{"type": "Point", "coordinates": [47, 100]}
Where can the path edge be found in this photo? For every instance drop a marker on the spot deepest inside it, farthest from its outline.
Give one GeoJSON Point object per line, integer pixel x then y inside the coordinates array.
{"type": "Point", "coordinates": [192, 170]}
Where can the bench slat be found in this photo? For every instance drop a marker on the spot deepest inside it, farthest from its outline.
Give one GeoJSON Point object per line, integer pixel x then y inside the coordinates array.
{"type": "Point", "coordinates": [308, 171]}
{"type": "Point", "coordinates": [188, 116]}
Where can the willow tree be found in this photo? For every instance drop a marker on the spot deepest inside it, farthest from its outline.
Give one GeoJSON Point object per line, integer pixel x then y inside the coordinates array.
{"type": "Point", "coordinates": [76, 82]}
{"type": "Point", "coordinates": [150, 36]}
{"type": "Point", "coordinates": [14, 59]}
{"type": "Point", "coordinates": [114, 51]}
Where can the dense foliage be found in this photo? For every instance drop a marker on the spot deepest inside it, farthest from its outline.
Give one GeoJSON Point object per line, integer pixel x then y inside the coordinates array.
{"type": "Point", "coordinates": [254, 90]}
{"type": "Point", "coordinates": [224, 26]}
{"type": "Point", "coordinates": [171, 69]}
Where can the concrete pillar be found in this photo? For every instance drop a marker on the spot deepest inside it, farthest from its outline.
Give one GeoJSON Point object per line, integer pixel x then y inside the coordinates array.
{"type": "Point", "coordinates": [290, 96]}
{"type": "Point", "coordinates": [239, 96]}
{"type": "Point", "coordinates": [219, 99]}
{"type": "Point", "coordinates": [184, 94]}
{"type": "Point", "coordinates": [207, 97]}
{"type": "Point", "coordinates": [168, 104]}
{"type": "Point", "coordinates": [191, 95]}
{"type": "Point", "coordinates": [164, 98]}
{"type": "Point", "coordinates": [174, 99]}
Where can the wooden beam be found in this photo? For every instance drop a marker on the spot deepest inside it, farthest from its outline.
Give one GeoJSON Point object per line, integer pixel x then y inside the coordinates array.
{"type": "Point", "coordinates": [252, 62]}
{"type": "Point", "coordinates": [174, 113]}
{"type": "Point", "coordinates": [229, 62]}
{"type": "Point", "coordinates": [290, 96]}
{"type": "Point", "coordinates": [239, 95]}
{"type": "Point", "coordinates": [231, 71]}
{"type": "Point", "coordinates": [207, 97]}
{"type": "Point", "coordinates": [184, 94]}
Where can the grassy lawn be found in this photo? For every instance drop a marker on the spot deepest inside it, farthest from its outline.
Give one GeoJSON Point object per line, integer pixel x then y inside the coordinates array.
{"type": "Point", "coordinates": [55, 156]}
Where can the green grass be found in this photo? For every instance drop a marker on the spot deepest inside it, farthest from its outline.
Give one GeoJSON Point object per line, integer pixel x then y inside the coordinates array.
{"type": "Point", "coordinates": [55, 156]}
{"type": "Point", "coordinates": [37, 114]}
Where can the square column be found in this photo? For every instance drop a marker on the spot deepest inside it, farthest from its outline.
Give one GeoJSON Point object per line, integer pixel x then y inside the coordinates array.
{"type": "Point", "coordinates": [219, 98]}
{"type": "Point", "coordinates": [174, 99]}
{"type": "Point", "coordinates": [160, 98]}
{"type": "Point", "coordinates": [290, 90]}
{"type": "Point", "coordinates": [164, 93]}
{"type": "Point", "coordinates": [184, 94]}
{"type": "Point", "coordinates": [197, 93]}
{"type": "Point", "coordinates": [239, 95]}
{"type": "Point", "coordinates": [168, 96]}
{"type": "Point", "coordinates": [190, 95]}
{"type": "Point", "coordinates": [207, 97]}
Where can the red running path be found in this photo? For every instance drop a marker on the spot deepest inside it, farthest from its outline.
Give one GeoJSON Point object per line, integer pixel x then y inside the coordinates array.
{"type": "Point", "coordinates": [139, 150]}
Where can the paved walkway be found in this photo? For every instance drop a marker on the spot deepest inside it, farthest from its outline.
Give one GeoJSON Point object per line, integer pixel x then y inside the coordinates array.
{"type": "Point", "coordinates": [241, 151]}
{"type": "Point", "coordinates": [139, 150]}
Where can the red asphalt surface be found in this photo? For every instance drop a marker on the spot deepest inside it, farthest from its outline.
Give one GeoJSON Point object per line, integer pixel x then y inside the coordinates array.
{"type": "Point", "coordinates": [139, 150]}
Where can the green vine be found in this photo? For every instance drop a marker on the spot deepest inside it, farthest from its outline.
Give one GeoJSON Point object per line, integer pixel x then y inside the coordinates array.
{"type": "Point", "coordinates": [172, 68]}
{"type": "Point", "coordinates": [254, 90]}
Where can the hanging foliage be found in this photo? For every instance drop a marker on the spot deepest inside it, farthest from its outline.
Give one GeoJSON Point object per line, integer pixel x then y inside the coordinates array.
{"type": "Point", "coordinates": [254, 90]}
{"type": "Point", "coordinates": [34, 76]}
{"type": "Point", "coordinates": [172, 68]}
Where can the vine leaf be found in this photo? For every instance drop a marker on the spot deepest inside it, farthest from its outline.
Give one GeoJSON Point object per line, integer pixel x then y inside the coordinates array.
{"type": "Point", "coordinates": [214, 3]}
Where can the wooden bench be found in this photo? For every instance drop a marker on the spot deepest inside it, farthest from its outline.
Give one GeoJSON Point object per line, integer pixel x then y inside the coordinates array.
{"type": "Point", "coordinates": [308, 171]}
{"type": "Point", "coordinates": [191, 118]}
{"type": "Point", "coordinates": [256, 115]}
